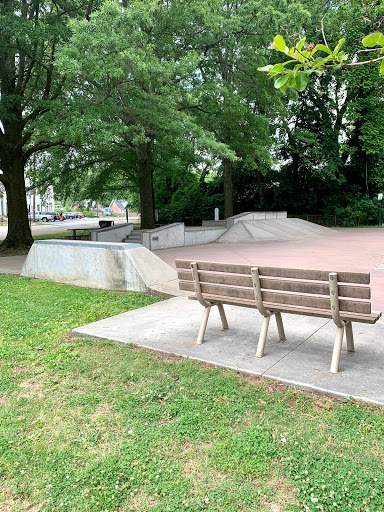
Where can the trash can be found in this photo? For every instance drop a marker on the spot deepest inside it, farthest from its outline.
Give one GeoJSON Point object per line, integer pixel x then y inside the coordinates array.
{"type": "Point", "coordinates": [106, 223]}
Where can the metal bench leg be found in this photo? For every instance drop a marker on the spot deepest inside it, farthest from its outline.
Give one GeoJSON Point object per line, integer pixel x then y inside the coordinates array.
{"type": "Point", "coordinates": [263, 337]}
{"type": "Point", "coordinates": [349, 334]}
{"type": "Point", "coordinates": [223, 317]}
{"type": "Point", "coordinates": [337, 350]}
{"type": "Point", "coordinates": [203, 326]}
{"type": "Point", "coordinates": [280, 327]}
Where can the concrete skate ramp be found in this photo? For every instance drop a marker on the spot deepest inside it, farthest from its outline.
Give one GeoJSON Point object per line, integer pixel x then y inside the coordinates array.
{"type": "Point", "coordinates": [102, 265]}
{"type": "Point", "coordinates": [272, 230]}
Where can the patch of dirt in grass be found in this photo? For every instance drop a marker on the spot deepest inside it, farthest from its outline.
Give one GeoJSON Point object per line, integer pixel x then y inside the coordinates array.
{"type": "Point", "coordinates": [196, 465]}
{"type": "Point", "coordinates": [283, 494]}
{"type": "Point", "coordinates": [187, 447]}
{"type": "Point", "coordinates": [34, 388]}
{"type": "Point", "coordinates": [166, 421]}
{"type": "Point", "coordinates": [3, 401]}
{"type": "Point", "coordinates": [5, 500]}
{"type": "Point", "coordinates": [101, 411]}
{"type": "Point", "coordinates": [8, 503]}
{"type": "Point", "coordinates": [19, 370]}
{"type": "Point", "coordinates": [141, 501]}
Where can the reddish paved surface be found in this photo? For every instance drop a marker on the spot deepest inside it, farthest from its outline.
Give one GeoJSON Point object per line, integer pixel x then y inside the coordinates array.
{"type": "Point", "coordinates": [359, 250]}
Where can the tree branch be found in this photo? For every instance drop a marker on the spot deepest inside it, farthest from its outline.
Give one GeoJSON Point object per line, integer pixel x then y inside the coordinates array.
{"type": "Point", "coordinates": [322, 30]}
{"type": "Point", "coordinates": [197, 107]}
{"type": "Point", "coordinates": [41, 146]}
{"type": "Point", "coordinates": [25, 138]}
{"type": "Point", "coordinates": [351, 64]}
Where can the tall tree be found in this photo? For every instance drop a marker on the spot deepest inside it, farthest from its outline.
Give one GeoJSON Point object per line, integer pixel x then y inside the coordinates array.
{"type": "Point", "coordinates": [129, 91]}
{"type": "Point", "coordinates": [233, 100]}
{"type": "Point", "coordinates": [30, 32]}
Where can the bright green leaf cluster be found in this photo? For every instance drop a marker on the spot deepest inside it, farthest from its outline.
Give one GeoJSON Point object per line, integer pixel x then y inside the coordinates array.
{"type": "Point", "coordinates": [304, 60]}
{"type": "Point", "coordinates": [373, 40]}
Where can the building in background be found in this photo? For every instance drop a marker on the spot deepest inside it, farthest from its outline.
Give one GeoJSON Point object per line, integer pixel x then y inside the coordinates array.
{"type": "Point", "coordinates": [40, 202]}
{"type": "Point", "coordinates": [35, 201]}
{"type": "Point", "coordinates": [117, 206]}
{"type": "Point", "coordinates": [3, 201]}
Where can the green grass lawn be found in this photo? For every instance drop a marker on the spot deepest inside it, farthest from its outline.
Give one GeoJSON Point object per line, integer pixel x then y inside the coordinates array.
{"type": "Point", "coordinates": [89, 425]}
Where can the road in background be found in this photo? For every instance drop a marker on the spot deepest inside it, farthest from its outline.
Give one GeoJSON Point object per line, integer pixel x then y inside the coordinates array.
{"type": "Point", "coordinates": [44, 228]}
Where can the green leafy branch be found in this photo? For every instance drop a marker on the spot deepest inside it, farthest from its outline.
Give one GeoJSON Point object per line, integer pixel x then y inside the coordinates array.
{"type": "Point", "coordinates": [307, 59]}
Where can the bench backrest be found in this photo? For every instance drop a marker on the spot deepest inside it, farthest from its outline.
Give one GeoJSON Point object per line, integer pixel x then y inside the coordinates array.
{"type": "Point", "coordinates": [285, 286]}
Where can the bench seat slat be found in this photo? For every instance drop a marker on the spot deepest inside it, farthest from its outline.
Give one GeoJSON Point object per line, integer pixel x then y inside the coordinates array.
{"type": "Point", "coordinates": [356, 292]}
{"type": "Point", "coordinates": [316, 275]}
{"type": "Point", "coordinates": [295, 299]}
{"type": "Point", "coordinates": [286, 308]}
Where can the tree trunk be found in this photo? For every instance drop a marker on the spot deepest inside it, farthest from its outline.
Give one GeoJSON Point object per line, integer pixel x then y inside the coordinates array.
{"type": "Point", "coordinates": [228, 195]}
{"type": "Point", "coordinates": [147, 206]}
{"type": "Point", "coordinates": [19, 233]}
{"type": "Point", "coordinates": [260, 184]}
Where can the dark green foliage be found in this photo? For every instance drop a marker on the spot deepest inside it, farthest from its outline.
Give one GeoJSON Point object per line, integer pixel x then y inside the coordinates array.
{"type": "Point", "coordinates": [186, 198]}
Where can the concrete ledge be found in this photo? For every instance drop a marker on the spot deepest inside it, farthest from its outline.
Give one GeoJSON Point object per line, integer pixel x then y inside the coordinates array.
{"type": "Point", "coordinates": [164, 237]}
{"type": "Point", "coordinates": [112, 234]}
{"type": "Point", "coordinates": [231, 221]}
{"type": "Point", "coordinates": [102, 265]}
{"type": "Point", "coordinates": [203, 235]}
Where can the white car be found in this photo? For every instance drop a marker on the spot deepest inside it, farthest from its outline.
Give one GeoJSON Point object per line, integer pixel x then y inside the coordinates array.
{"type": "Point", "coordinates": [44, 217]}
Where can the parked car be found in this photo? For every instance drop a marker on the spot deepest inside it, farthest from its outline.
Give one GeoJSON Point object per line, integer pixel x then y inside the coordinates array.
{"type": "Point", "coordinates": [54, 215]}
{"type": "Point", "coordinates": [78, 215]}
{"type": "Point", "coordinates": [69, 215]}
{"type": "Point", "coordinates": [44, 217]}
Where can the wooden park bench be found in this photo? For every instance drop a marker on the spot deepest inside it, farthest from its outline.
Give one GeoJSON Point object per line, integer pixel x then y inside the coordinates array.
{"type": "Point", "coordinates": [342, 296]}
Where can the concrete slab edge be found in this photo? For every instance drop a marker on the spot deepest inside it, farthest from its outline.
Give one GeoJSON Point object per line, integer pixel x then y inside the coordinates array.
{"type": "Point", "coordinates": [264, 375]}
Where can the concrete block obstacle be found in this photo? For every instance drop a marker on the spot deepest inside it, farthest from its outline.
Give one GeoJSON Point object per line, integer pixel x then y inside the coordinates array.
{"type": "Point", "coordinates": [105, 265]}
{"type": "Point", "coordinates": [112, 234]}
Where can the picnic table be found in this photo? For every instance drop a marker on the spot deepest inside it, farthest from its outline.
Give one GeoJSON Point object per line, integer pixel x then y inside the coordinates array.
{"type": "Point", "coordinates": [80, 233]}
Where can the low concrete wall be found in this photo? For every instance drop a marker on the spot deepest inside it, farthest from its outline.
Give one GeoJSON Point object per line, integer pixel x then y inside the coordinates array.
{"type": "Point", "coordinates": [171, 235]}
{"type": "Point", "coordinates": [112, 234]}
{"type": "Point", "coordinates": [106, 265]}
{"type": "Point", "coordinates": [196, 236]}
{"type": "Point", "coordinates": [214, 223]}
{"type": "Point", "coordinates": [177, 235]}
{"type": "Point", "coordinates": [255, 216]}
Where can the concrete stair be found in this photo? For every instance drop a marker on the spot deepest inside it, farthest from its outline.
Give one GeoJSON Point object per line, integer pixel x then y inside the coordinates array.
{"type": "Point", "coordinates": [134, 237]}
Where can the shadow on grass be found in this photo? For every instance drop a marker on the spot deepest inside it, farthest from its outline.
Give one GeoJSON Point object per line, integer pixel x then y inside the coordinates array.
{"type": "Point", "coordinates": [6, 253]}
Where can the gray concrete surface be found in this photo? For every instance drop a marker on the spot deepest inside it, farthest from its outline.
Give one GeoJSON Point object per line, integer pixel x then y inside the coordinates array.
{"type": "Point", "coordinates": [272, 230]}
{"type": "Point", "coordinates": [302, 361]}
{"type": "Point", "coordinates": [12, 264]}
{"type": "Point", "coordinates": [102, 265]}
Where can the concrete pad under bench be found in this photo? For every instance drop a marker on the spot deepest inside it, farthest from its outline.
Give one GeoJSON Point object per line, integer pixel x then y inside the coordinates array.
{"type": "Point", "coordinates": [302, 361]}
{"type": "Point", "coordinates": [102, 265]}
